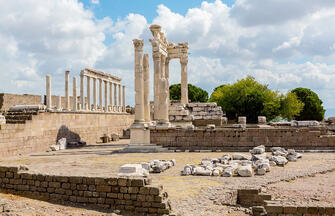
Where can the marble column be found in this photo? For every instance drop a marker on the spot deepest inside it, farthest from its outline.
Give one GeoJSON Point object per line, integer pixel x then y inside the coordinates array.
{"type": "Point", "coordinates": [157, 70]}
{"type": "Point", "coordinates": [67, 89]}
{"type": "Point", "coordinates": [59, 103]}
{"type": "Point", "coordinates": [95, 106]}
{"type": "Point", "coordinates": [123, 98]}
{"type": "Point", "coordinates": [146, 81]}
{"type": "Point", "coordinates": [111, 96]}
{"type": "Point", "coordinates": [88, 79]}
{"type": "Point", "coordinates": [167, 76]}
{"type": "Point", "coordinates": [48, 91]}
{"type": "Point", "coordinates": [139, 84]}
{"type": "Point", "coordinates": [82, 97]}
{"type": "Point", "coordinates": [74, 96]}
{"type": "Point", "coordinates": [184, 83]}
{"type": "Point", "coordinates": [115, 97]}
{"type": "Point", "coordinates": [120, 99]}
{"type": "Point", "coordinates": [106, 96]}
{"type": "Point", "coordinates": [100, 94]}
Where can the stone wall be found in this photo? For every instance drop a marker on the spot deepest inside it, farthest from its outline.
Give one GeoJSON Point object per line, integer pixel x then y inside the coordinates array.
{"type": "Point", "coordinates": [135, 196]}
{"type": "Point", "coordinates": [238, 139]}
{"type": "Point", "coordinates": [278, 209]}
{"type": "Point", "coordinates": [9, 100]}
{"type": "Point", "coordinates": [45, 129]}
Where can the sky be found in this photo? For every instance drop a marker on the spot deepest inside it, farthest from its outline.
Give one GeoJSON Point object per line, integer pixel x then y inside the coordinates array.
{"type": "Point", "coordinates": [282, 43]}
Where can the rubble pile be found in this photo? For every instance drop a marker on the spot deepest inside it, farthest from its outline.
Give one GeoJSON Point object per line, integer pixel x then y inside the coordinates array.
{"type": "Point", "coordinates": [244, 165]}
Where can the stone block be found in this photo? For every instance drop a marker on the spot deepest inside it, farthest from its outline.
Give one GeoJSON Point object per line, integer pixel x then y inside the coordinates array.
{"type": "Point", "coordinates": [133, 170]}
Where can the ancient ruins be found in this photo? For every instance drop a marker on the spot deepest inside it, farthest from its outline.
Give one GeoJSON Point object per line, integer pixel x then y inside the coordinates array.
{"type": "Point", "coordinates": [88, 150]}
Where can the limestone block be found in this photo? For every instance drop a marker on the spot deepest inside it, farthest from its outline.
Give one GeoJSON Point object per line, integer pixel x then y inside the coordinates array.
{"type": "Point", "coordinates": [27, 107]}
{"type": "Point", "coordinates": [62, 143]}
{"type": "Point", "coordinates": [258, 150]}
{"type": "Point", "coordinates": [210, 126]}
{"type": "Point", "coordinates": [261, 120]}
{"type": "Point", "coordinates": [228, 172]}
{"type": "Point", "coordinates": [239, 156]}
{"type": "Point", "coordinates": [133, 170]}
{"type": "Point", "coordinates": [2, 120]}
{"type": "Point", "coordinates": [171, 117]}
{"type": "Point", "coordinates": [242, 120]}
{"type": "Point", "coordinates": [306, 123]}
{"type": "Point", "coordinates": [139, 136]}
{"type": "Point", "coordinates": [115, 137]}
{"type": "Point", "coordinates": [245, 171]}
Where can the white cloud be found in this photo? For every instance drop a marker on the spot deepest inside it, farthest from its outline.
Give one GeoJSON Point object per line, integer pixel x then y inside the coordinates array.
{"type": "Point", "coordinates": [283, 43]}
{"type": "Point", "coordinates": [95, 1]}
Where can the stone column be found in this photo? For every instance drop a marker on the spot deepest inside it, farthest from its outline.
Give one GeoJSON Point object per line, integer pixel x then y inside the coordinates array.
{"type": "Point", "coordinates": [74, 96]}
{"type": "Point", "coordinates": [111, 96]}
{"type": "Point", "coordinates": [139, 94]}
{"type": "Point", "coordinates": [100, 94]}
{"type": "Point", "coordinates": [123, 98]}
{"type": "Point", "coordinates": [82, 97]}
{"type": "Point", "coordinates": [167, 75]}
{"type": "Point", "coordinates": [67, 88]}
{"type": "Point", "coordinates": [120, 99]}
{"type": "Point", "coordinates": [95, 106]}
{"type": "Point", "coordinates": [115, 97]}
{"type": "Point", "coordinates": [48, 92]}
{"type": "Point", "coordinates": [184, 83]}
{"type": "Point", "coordinates": [146, 81]}
{"type": "Point", "coordinates": [88, 79]}
{"type": "Point", "coordinates": [59, 103]}
{"type": "Point", "coordinates": [106, 96]}
{"type": "Point", "coordinates": [157, 70]}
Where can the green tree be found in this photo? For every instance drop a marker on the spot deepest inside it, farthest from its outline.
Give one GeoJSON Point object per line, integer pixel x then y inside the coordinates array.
{"type": "Point", "coordinates": [249, 98]}
{"type": "Point", "coordinates": [195, 94]}
{"type": "Point", "coordinates": [290, 106]}
{"type": "Point", "coordinates": [313, 109]}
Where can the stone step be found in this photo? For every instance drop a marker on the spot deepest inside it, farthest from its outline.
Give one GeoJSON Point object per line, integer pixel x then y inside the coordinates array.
{"type": "Point", "coordinates": [13, 121]}
{"type": "Point", "coordinates": [18, 117]}
{"type": "Point", "coordinates": [152, 148]}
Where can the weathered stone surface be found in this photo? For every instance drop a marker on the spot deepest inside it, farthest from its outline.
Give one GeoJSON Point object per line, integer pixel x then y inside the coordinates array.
{"type": "Point", "coordinates": [132, 170]}
{"type": "Point", "coordinates": [228, 172]}
{"type": "Point", "coordinates": [245, 171]}
{"type": "Point", "coordinates": [2, 119]}
{"type": "Point", "coordinates": [203, 171]}
{"type": "Point", "coordinates": [239, 156]}
{"type": "Point", "coordinates": [258, 150]}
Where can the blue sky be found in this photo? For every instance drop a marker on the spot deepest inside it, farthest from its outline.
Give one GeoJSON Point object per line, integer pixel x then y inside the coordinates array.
{"type": "Point", "coordinates": [285, 44]}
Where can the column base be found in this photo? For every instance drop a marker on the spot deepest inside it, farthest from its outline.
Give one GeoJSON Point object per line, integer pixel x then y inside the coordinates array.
{"type": "Point", "coordinates": [139, 134]}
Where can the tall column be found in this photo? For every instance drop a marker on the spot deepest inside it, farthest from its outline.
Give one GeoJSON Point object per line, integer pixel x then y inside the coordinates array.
{"type": "Point", "coordinates": [48, 91]}
{"type": "Point", "coordinates": [95, 106]}
{"type": "Point", "coordinates": [67, 88]}
{"type": "Point", "coordinates": [82, 97]}
{"type": "Point", "coordinates": [167, 76]}
{"type": "Point", "coordinates": [106, 96]}
{"type": "Point", "coordinates": [100, 94]}
{"type": "Point", "coordinates": [123, 98]}
{"type": "Point", "coordinates": [120, 98]}
{"type": "Point", "coordinates": [59, 103]}
{"type": "Point", "coordinates": [111, 95]}
{"type": "Point", "coordinates": [157, 69]}
{"type": "Point", "coordinates": [74, 96]}
{"type": "Point", "coordinates": [146, 80]}
{"type": "Point", "coordinates": [139, 94]}
{"type": "Point", "coordinates": [115, 97]}
{"type": "Point", "coordinates": [184, 84]}
{"type": "Point", "coordinates": [88, 79]}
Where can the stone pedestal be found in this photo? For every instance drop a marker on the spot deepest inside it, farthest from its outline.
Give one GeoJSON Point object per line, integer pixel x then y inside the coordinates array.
{"type": "Point", "coordinates": [139, 135]}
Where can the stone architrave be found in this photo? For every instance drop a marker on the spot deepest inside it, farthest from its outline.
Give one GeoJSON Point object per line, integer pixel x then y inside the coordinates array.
{"type": "Point", "coordinates": [67, 89]}
{"type": "Point", "coordinates": [146, 78]}
{"type": "Point", "coordinates": [48, 92]}
{"type": "Point", "coordinates": [74, 96]}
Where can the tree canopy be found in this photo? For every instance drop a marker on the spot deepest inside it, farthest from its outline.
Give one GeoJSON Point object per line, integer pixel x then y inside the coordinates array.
{"type": "Point", "coordinates": [195, 94]}
{"type": "Point", "coordinates": [249, 98]}
{"type": "Point", "coordinates": [313, 109]}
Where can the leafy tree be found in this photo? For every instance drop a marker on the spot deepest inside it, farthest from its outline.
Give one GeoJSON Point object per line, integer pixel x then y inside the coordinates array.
{"type": "Point", "coordinates": [195, 94]}
{"type": "Point", "coordinates": [249, 98]}
{"type": "Point", "coordinates": [313, 109]}
{"type": "Point", "coordinates": [290, 106]}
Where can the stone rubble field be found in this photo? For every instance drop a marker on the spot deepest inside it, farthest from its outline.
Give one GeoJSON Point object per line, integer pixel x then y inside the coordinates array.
{"type": "Point", "coordinates": [258, 162]}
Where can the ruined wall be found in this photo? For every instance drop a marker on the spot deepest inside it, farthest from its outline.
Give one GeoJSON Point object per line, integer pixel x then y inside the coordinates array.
{"type": "Point", "coordinates": [45, 129]}
{"type": "Point", "coordinates": [133, 196]}
{"type": "Point", "coordinates": [9, 100]}
{"type": "Point", "coordinates": [230, 139]}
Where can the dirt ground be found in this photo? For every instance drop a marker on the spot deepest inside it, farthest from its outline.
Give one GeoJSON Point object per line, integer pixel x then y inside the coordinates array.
{"type": "Point", "coordinates": [189, 195]}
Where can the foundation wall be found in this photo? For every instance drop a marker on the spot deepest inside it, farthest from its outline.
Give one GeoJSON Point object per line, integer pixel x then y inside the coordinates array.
{"type": "Point", "coordinates": [45, 129]}
{"type": "Point", "coordinates": [230, 139]}
{"type": "Point", "coordinates": [134, 196]}
{"type": "Point", "coordinates": [9, 100]}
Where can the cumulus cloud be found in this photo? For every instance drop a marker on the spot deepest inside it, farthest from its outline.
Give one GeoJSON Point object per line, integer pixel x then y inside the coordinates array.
{"type": "Point", "coordinates": [95, 1]}
{"type": "Point", "coordinates": [282, 43]}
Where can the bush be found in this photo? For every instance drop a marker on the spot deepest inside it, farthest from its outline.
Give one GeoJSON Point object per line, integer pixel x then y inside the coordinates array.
{"type": "Point", "coordinates": [195, 94]}
{"type": "Point", "coordinates": [313, 109]}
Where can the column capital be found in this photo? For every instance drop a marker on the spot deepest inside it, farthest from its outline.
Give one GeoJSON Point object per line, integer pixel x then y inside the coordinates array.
{"type": "Point", "coordinates": [138, 44]}
{"type": "Point", "coordinates": [184, 60]}
{"type": "Point", "coordinates": [156, 56]}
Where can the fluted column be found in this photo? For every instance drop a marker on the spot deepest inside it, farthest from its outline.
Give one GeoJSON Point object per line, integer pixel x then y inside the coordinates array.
{"type": "Point", "coordinates": [120, 99]}
{"type": "Point", "coordinates": [115, 97]}
{"type": "Point", "coordinates": [106, 96]}
{"type": "Point", "coordinates": [67, 89]}
{"type": "Point", "coordinates": [95, 105]}
{"type": "Point", "coordinates": [100, 94]}
{"type": "Point", "coordinates": [184, 83]}
{"type": "Point", "coordinates": [139, 90]}
{"type": "Point", "coordinates": [123, 98]}
{"type": "Point", "coordinates": [74, 97]}
{"type": "Point", "coordinates": [146, 78]}
{"type": "Point", "coordinates": [88, 79]}
{"type": "Point", "coordinates": [157, 69]}
{"type": "Point", "coordinates": [111, 96]}
{"type": "Point", "coordinates": [82, 97]}
{"type": "Point", "coordinates": [167, 76]}
{"type": "Point", "coordinates": [163, 95]}
{"type": "Point", "coordinates": [48, 91]}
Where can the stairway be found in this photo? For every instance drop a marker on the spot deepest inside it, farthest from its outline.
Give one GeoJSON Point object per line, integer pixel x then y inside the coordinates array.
{"type": "Point", "coordinates": [19, 117]}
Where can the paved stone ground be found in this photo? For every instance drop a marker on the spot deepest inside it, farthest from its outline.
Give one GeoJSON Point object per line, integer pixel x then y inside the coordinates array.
{"type": "Point", "coordinates": [190, 195]}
